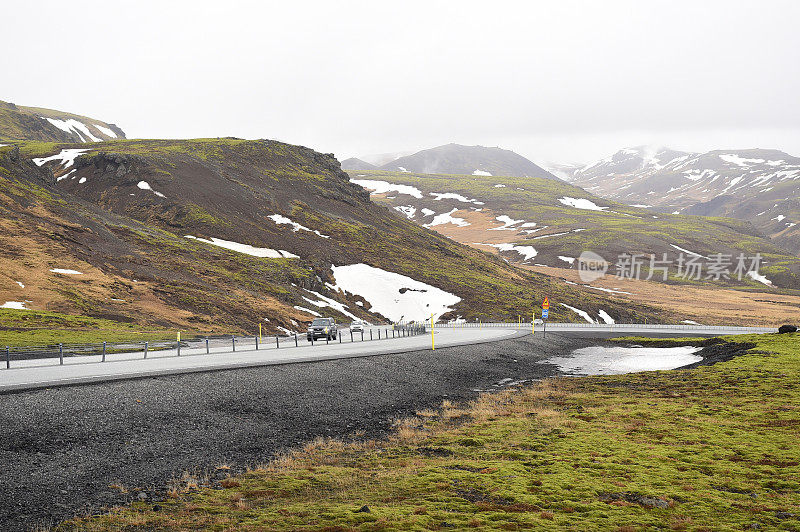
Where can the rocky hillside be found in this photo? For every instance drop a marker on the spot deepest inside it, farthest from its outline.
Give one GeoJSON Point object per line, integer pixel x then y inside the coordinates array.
{"type": "Point", "coordinates": [34, 123]}
{"type": "Point", "coordinates": [542, 222]}
{"type": "Point", "coordinates": [467, 160]}
{"type": "Point", "coordinates": [217, 234]}
{"type": "Point", "coordinates": [759, 186]}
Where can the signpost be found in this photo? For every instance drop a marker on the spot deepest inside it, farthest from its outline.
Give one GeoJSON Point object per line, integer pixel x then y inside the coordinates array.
{"type": "Point", "coordinates": [545, 313]}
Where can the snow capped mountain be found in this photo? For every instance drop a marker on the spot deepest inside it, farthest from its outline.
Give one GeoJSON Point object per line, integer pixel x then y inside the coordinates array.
{"type": "Point", "coordinates": [756, 185]}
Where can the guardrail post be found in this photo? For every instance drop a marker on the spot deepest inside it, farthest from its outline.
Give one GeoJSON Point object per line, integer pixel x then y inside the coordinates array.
{"type": "Point", "coordinates": [339, 336]}
{"type": "Point", "coordinates": [61, 354]}
{"type": "Point", "coordinates": [257, 341]}
{"type": "Point", "coordinates": [370, 335]}
{"type": "Point", "coordinates": [295, 339]}
{"type": "Point", "coordinates": [327, 339]}
{"type": "Point", "coordinates": [379, 334]}
{"type": "Point", "coordinates": [146, 345]}
{"type": "Point", "coordinates": [179, 348]}
{"type": "Point", "coordinates": [8, 357]}
{"type": "Point", "coordinates": [104, 353]}
{"type": "Point", "coordinates": [207, 350]}
{"type": "Point", "coordinates": [351, 336]}
{"type": "Point", "coordinates": [277, 343]}
{"type": "Point", "coordinates": [233, 343]}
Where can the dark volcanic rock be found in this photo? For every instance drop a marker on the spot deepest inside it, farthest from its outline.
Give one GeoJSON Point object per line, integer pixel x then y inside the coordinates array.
{"type": "Point", "coordinates": [783, 329]}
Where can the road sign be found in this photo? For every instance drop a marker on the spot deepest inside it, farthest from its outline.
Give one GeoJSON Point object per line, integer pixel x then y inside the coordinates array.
{"type": "Point", "coordinates": [545, 312]}
{"type": "Point", "coordinates": [546, 303]}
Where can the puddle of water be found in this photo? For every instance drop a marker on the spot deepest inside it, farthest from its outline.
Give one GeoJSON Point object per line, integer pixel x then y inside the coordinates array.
{"type": "Point", "coordinates": [599, 360]}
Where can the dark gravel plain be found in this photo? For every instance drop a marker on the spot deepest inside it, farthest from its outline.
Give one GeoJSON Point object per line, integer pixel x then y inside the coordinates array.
{"type": "Point", "coordinates": [63, 448]}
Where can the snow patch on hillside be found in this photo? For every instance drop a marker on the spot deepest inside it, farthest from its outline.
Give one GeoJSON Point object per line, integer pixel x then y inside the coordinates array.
{"type": "Point", "coordinates": [246, 248]}
{"type": "Point", "coordinates": [438, 196]}
{"type": "Point", "coordinates": [688, 252]}
{"type": "Point", "coordinates": [481, 172]}
{"type": "Point", "coordinates": [308, 311]}
{"type": "Point", "coordinates": [581, 203]}
{"type": "Point", "coordinates": [447, 218]}
{"type": "Point", "coordinates": [579, 312]}
{"type": "Point", "coordinates": [280, 219]}
{"type": "Point", "coordinates": [14, 305]}
{"type": "Point", "coordinates": [74, 127]}
{"type": "Point", "coordinates": [106, 131]}
{"type": "Point", "coordinates": [393, 295]}
{"type": "Point", "coordinates": [739, 161]}
{"type": "Point", "coordinates": [65, 157]}
{"type": "Point", "coordinates": [605, 317]}
{"type": "Point", "coordinates": [63, 271]}
{"type": "Point", "coordinates": [758, 277]}
{"type": "Point", "coordinates": [144, 185]}
{"type": "Point", "coordinates": [328, 302]}
{"type": "Point", "coordinates": [382, 187]}
{"type": "Point", "coordinates": [528, 252]}
{"type": "Point", "coordinates": [507, 222]}
{"type": "Point", "coordinates": [408, 210]}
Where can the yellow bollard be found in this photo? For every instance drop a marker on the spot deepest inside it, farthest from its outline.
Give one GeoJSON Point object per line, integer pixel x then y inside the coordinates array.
{"type": "Point", "coordinates": [179, 336]}
{"type": "Point", "coordinates": [533, 323]}
{"type": "Point", "coordinates": [433, 344]}
{"type": "Point", "coordinates": [259, 332]}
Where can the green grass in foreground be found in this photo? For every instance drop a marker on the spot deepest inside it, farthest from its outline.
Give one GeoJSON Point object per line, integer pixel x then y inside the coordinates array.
{"type": "Point", "coordinates": [30, 327]}
{"type": "Point", "coordinates": [713, 448]}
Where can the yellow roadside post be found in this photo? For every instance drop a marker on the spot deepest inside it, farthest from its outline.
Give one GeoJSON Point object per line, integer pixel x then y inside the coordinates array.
{"type": "Point", "coordinates": [259, 332]}
{"type": "Point", "coordinates": [433, 344]}
{"type": "Point", "coordinates": [179, 336]}
{"type": "Point", "coordinates": [533, 322]}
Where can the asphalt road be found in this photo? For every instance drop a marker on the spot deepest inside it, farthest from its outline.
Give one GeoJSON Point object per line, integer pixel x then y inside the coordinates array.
{"type": "Point", "coordinates": [62, 448]}
{"type": "Point", "coordinates": [48, 372]}
{"type": "Point", "coordinates": [43, 373]}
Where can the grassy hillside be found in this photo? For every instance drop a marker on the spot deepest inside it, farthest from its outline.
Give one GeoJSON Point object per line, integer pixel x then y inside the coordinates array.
{"type": "Point", "coordinates": [557, 230]}
{"type": "Point", "coordinates": [711, 448]}
{"type": "Point", "coordinates": [30, 123]}
{"type": "Point", "coordinates": [121, 212]}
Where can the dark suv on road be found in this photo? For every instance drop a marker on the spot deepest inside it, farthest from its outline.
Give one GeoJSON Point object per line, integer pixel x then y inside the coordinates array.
{"type": "Point", "coordinates": [322, 328]}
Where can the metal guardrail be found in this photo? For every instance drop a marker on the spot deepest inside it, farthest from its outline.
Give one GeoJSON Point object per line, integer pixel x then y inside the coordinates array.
{"type": "Point", "coordinates": [106, 351]}
{"type": "Point", "coordinates": [604, 326]}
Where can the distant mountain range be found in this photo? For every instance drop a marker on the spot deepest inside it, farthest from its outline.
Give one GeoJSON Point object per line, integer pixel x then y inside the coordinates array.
{"type": "Point", "coordinates": [536, 222]}
{"type": "Point", "coordinates": [758, 185]}
{"type": "Point", "coordinates": [458, 159]}
{"type": "Point", "coordinates": [36, 123]}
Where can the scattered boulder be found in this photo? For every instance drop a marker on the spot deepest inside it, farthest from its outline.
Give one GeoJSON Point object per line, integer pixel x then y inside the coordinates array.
{"type": "Point", "coordinates": [783, 329]}
{"type": "Point", "coordinates": [363, 509]}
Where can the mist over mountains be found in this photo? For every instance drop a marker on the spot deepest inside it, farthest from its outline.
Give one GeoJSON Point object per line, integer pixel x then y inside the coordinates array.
{"type": "Point", "coordinates": [457, 159]}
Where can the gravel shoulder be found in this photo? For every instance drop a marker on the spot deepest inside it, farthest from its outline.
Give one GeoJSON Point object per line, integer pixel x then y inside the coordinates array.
{"type": "Point", "coordinates": [64, 447]}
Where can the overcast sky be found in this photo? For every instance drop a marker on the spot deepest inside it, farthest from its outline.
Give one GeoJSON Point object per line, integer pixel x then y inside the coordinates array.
{"type": "Point", "coordinates": [554, 81]}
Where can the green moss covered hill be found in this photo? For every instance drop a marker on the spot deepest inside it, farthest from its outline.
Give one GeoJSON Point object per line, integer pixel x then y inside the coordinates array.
{"type": "Point", "coordinates": [121, 211]}
{"type": "Point", "coordinates": [565, 231]}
